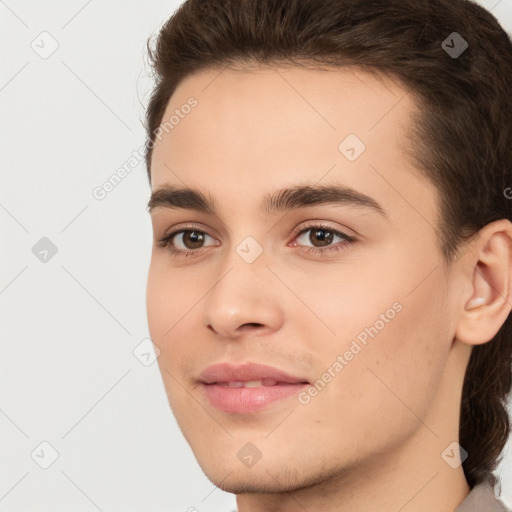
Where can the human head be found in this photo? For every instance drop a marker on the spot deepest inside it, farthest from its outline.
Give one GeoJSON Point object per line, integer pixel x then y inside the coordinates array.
{"type": "Point", "coordinates": [460, 135]}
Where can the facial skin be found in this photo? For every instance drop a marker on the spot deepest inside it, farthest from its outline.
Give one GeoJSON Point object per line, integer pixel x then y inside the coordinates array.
{"type": "Point", "coordinates": [372, 438]}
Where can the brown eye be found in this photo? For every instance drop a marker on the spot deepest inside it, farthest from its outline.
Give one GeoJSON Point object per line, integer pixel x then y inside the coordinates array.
{"type": "Point", "coordinates": [186, 242]}
{"type": "Point", "coordinates": [323, 236]}
{"type": "Point", "coordinates": [320, 236]}
{"type": "Point", "coordinates": [322, 240]}
{"type": "Point", "coordinates": [191, 239]}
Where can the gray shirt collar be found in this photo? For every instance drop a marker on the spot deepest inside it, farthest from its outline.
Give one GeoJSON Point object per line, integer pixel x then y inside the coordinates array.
{"type": "Point", "coordinates": [482, 499]}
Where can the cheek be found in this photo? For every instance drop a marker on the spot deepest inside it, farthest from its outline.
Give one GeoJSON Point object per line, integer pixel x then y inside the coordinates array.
{"type": "Point", "coordinates": [393, 336]}
{"type": "Point", "coordinates": [169, 296]}
{"type": "Point", "coordinates": [399, 369]}
{"type": "Point", "coordinates": [339, 305]}
{"type": "Point", "coordinates": [157, 297]}
{"type": "Point", "coordinates": [171, 304]}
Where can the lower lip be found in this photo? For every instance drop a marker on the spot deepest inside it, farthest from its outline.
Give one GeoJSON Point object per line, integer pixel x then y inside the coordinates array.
{"type": "Point", "coordinates": [247, 400]}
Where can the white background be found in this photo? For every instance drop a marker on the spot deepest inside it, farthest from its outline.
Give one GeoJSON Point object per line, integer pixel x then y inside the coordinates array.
{"type": "Point", "coordinates": [69, 326]}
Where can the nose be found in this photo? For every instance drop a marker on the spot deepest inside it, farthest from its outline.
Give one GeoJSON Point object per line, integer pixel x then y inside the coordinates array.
{"type": "Point", "coordinates": [245, 299]}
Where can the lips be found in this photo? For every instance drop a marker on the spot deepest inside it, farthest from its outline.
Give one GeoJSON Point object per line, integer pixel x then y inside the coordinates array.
{"type": "Point", "coordinates": [249, 387]}
{"type": "Point", "coordinates": [248, 373]}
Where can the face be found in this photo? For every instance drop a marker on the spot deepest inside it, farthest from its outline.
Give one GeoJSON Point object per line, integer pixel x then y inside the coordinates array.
{"type": "Point", "coordinates": [338, 285]}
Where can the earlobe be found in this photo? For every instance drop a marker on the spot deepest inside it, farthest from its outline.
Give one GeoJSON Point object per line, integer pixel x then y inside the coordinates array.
{"type": "Point", "coordinates": [490, 300]}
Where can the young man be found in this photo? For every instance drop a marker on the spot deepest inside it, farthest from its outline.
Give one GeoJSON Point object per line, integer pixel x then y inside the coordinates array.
{"type": "Point", "coordinates": [330, 282]}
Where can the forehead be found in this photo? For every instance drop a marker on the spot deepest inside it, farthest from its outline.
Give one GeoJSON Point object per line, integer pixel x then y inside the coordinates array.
{"type": "Point", "coordinates": [269, 127]}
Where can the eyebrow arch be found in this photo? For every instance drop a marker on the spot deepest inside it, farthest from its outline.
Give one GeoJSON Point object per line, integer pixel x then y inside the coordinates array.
{"type": "Point", "coordinates": [299, 196]}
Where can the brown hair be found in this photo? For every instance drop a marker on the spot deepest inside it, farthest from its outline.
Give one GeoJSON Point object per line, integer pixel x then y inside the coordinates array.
{"type": "Point", "coordinates": [461, 136]}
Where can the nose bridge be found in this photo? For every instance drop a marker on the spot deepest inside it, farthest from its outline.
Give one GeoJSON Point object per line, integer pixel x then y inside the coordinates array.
{"type": "Point", "coordinates": [246, 255]}
{"type": "Point", "coordinates": [244, 291]}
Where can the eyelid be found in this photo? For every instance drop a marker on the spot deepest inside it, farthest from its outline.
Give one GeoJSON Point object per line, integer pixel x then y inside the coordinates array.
{"type": "Point", "coordinates": [327, 225]}
{"type": "Point", "coordinates": [188, 226]}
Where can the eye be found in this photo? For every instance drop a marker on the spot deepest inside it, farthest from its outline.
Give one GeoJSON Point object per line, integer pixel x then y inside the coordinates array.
{"type": "Point", "coordinates": [185, 242]}
{"type": "Point", "coordinates": [191, 241]}
{"type": "Point", "coordinates": [324, 236]}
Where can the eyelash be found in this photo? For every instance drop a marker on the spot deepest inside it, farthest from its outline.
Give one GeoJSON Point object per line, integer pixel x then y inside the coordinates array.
{"type": "Point", "coordinates": [166, 241]}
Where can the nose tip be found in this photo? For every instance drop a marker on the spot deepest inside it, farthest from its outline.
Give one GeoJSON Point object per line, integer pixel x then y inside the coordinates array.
{"type": "Point", "coordinates": [243, 305]}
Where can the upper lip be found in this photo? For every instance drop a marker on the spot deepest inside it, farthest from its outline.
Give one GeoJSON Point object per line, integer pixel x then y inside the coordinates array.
{"type": "Point", "coordinates": [225, 372]}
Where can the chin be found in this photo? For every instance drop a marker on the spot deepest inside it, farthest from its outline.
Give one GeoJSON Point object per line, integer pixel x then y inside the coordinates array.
{"type": "Point", "coordinates": [245, 481]}
{"type": "Point", "coordinates": [266, 476]}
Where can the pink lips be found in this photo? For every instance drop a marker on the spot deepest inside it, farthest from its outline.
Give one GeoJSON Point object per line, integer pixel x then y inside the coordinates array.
{"type": "Point", "coordinates": [225, 386]}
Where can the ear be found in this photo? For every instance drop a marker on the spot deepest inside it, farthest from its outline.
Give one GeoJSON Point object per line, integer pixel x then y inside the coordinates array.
{"type": "Point", "coordinates": [488, 275]}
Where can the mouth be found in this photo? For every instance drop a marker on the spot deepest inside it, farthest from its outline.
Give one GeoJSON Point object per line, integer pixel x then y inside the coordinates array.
{"type": "Point", "coordinates": [254, 383]}
{"type": "Point", "coordinates": [248, 388]}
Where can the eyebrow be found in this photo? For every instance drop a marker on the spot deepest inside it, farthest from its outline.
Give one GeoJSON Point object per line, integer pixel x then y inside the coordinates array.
{"type": "Point", "coordinates": [299, 196]}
